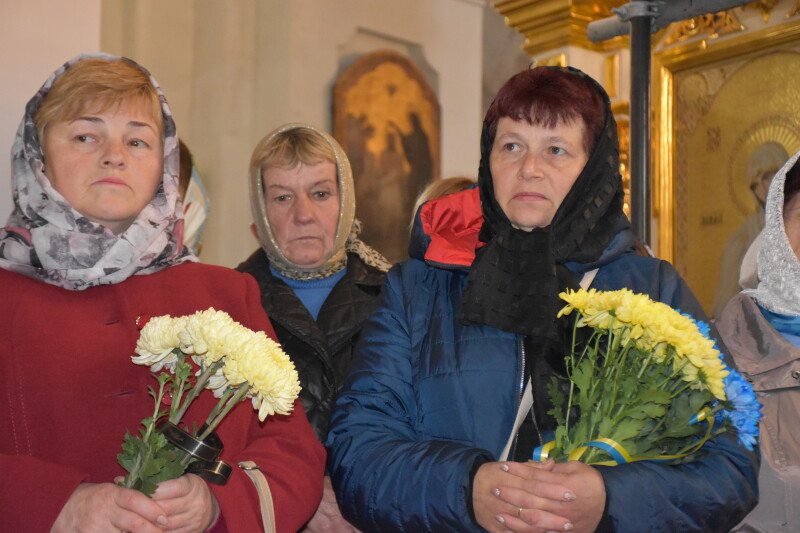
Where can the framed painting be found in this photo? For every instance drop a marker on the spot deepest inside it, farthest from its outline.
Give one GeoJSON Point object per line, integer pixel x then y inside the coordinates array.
{"type": "Point", "coordinates": [387, 118]}
{"type": "Point", "coordinates": [727, 117]}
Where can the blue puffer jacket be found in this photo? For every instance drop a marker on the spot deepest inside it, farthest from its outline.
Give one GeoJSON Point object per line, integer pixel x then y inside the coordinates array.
{"type": "Point", "coordinates": [428, 399]}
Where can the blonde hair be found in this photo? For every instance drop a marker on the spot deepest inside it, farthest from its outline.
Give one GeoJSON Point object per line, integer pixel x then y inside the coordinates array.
{"type": "Point", "coordinates": [289, 148]}
{"type": "Point", "coordinates": [96, 85]}
{"type": "Point", "coordinates": [438, 188]}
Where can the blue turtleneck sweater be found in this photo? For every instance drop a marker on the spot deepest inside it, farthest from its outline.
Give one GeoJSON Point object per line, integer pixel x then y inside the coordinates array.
{"type": "Point", "coordinates": [312, 293]}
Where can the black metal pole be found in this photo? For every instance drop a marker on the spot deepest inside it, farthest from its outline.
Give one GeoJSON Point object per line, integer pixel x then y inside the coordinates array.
{"type": "Point", "coordinates": [640, 127]}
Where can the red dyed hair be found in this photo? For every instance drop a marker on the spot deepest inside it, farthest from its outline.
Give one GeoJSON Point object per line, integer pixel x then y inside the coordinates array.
{"type": "Point", "coordinates": [545, 96]}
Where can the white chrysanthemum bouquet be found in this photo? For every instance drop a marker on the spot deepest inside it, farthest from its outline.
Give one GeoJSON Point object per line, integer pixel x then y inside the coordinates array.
{"type": "Point", "coordinates": [206, 350]}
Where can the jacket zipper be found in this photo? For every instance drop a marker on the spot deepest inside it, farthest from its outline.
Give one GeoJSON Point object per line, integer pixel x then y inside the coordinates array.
{"type": "Point", "coordinates": [520, 392]}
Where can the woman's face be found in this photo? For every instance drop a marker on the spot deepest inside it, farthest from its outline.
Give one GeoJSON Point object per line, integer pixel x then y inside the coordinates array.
{"type": "Point", "coordinates": [791, 221]}
{"type": "Point", "coordinates": [302, 207]}
{"type": "Point", "coordinates": [106, 165]}
{"type": "Point", "coordinates": [534, 167]}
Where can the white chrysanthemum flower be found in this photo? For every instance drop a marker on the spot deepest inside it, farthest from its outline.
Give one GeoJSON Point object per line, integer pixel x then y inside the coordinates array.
{"type": "Point", "coordinates": [212, 334]}
{"type": "Point", "coordinates": [273, 380]}
{"type": "Point", "coordinates": [157, 340]}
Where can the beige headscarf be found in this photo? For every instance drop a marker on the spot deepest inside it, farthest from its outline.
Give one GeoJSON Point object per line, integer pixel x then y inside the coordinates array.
{"type": "Point", "coordinates": [347, 230]}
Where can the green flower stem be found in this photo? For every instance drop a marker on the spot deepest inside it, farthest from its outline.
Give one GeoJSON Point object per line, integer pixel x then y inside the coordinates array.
{"type": "Point", "coordinates": [202, 379]}
{"type": "Point", "coordinates": [674, 373]}
{"type": "Point", "coordinates": [133, 475]}
{"type": "Point", "coordinates": [178, 383]}
{"type": "Point", "coordinates": [212, 424]}
{"type": "Point", "coordinates": [571, 368]}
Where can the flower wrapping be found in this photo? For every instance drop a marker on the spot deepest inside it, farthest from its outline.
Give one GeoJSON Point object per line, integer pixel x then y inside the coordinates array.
{"type": "Point", "coordinates": [643, 382]}
{"type": "Point", "coordinates": [206, 350]}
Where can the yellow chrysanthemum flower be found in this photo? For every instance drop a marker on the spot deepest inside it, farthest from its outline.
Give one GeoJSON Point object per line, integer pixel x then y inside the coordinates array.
{"type": "Point", "coordinates": [653, 326]}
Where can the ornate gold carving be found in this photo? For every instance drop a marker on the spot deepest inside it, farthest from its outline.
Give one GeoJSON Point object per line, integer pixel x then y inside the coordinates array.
{"type": "Point", "coordinates": [712, 25]}
{"type": "Point", "coordinates": [611, 75]}
{"type": "Point", "coordinates": [795, 10]}
{"type": "Point", "coordinates": [765, 6]}
{"type": "Point", "coordinates": [622, 115]}
{"type": "Point", "coordinates": [551, 24]}
{"type": "Point", "coordinates": [558, 60]}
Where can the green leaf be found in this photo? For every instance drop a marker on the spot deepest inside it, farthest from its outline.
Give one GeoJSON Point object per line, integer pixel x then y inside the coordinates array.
{"type": "Point", "coordinates": [582, 375]}
{"type": "Point", "coordinates": [557, 397]}
{"type": "Point", "coordinates": [627, 429]}
{"type": "Point", "coordinates": [655, 395]}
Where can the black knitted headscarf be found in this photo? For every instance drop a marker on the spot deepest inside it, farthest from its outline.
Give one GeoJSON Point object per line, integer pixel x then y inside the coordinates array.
{"type": "Point", "coordinates": [516, 277]}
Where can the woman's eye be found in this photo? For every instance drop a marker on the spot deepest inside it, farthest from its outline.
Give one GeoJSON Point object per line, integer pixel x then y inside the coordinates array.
{"type": "Point", "coordinates": [321, 195]}
{"type": "Point", "coordinates": [83, 138]}
{"type": "Point", "coordinates": [510, 147]}
{"type": "Point", "coordinates": [138, 143]}
{"type": "Point", "coordinates": [282, 198]}
{"type": "Point", "coordinates": [557, 150]}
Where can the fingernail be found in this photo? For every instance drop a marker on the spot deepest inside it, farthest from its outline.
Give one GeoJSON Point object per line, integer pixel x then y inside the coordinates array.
{"type": "Point", "coordinates": [504, 467]}
{"type": "Point", "coordinates": [569, 496]}
{"type": "Point", "coordinates": [496, 492]}
{"type": "Point", "coordinates": [500, 519]}
{"type": "Point", "coordinates": [162, 520]}
{"type": "Point", "coordinates": [568, 526]}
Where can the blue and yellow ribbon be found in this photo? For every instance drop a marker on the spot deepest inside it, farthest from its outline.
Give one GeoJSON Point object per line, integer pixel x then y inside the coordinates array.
{"type": "Point", "coordinates": [619, 455]}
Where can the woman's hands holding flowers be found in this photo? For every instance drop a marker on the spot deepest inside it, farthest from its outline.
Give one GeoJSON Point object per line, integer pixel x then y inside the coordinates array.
{"type": "Point", "coordinates": [509, 501]}
{"type": "Point", "coordinates": [189, 503]}
{"type": "Point", "coordinates": [584, 483]}
{"type": "Point", "coordinates": [103, 507]}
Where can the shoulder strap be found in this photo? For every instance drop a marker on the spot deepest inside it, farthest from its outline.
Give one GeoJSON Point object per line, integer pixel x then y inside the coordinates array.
{"type": "Point", "coordinates": [264, 495]}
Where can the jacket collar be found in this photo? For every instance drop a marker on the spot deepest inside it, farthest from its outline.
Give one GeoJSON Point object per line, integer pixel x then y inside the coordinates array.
{"type": "Point", "coordinates": [446, 234]}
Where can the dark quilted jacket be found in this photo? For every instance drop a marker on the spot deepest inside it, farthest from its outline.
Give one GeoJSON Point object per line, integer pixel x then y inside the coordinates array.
{"type": "Point", "coordinates": [321, 349]}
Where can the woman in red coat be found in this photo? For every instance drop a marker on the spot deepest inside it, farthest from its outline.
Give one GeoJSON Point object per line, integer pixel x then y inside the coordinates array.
{"type": "Point", "coordinates": [92, 249]}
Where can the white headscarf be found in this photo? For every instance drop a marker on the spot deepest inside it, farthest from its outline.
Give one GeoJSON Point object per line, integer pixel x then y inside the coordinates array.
{"type": "Point", "coordinates": [45, 238]}
{"type": "Point", "coordinates": [778, 289]}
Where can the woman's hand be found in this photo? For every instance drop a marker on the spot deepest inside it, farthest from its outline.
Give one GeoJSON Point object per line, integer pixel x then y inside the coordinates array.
{"type": "Point", "coordinates": [328, 518]}
{"type": "Point", "coordinates": [584, 482]}
{"type": "Point", "coordinates": [511, 501]}
{"type": "Point", "coordinates": [190, 505]}
{"type": "Point", "coordinates": [106, 507]}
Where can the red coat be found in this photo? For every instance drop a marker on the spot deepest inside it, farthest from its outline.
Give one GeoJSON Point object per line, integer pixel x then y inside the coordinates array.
{"type": "Point", "coordinates": [70, 391]}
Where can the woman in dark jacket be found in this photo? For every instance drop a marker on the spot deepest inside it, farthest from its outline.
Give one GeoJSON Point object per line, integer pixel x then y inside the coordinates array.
{"type": "Point", "coordinates": [318, 281]}
{"type": "Point", "coordinates": [466, 334]}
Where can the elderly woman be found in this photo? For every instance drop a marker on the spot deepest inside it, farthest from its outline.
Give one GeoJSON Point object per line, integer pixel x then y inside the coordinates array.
{"type": "Point", "coordinates": [761, 328]}
{"type": "Point", "coordinates": [424, 436]}
{"type": "Point", "coordinates": [318, 281]}
{"type": "Point", "coordinates": [92, 248]}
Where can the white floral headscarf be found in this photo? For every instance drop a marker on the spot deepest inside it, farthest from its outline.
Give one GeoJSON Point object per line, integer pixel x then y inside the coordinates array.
{"type": "Point", "coordinates": [45, 238]}
{"type": "Point", "coordinates": [778, 289]}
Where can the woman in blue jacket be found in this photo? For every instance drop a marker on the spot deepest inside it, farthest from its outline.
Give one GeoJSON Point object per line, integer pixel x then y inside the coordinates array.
{"type": "Point", "coordinates": [446, 398]}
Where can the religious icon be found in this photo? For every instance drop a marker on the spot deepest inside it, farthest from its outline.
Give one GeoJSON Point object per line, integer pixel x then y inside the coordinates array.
{"type": "Point", "coordinates": [386, 117]}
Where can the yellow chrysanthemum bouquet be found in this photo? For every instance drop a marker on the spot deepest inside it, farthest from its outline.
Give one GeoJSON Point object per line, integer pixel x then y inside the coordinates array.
{"type": "Point", "coordinates": [206, 350]}
{"type": "Point", "coordinates": [647, 383]}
